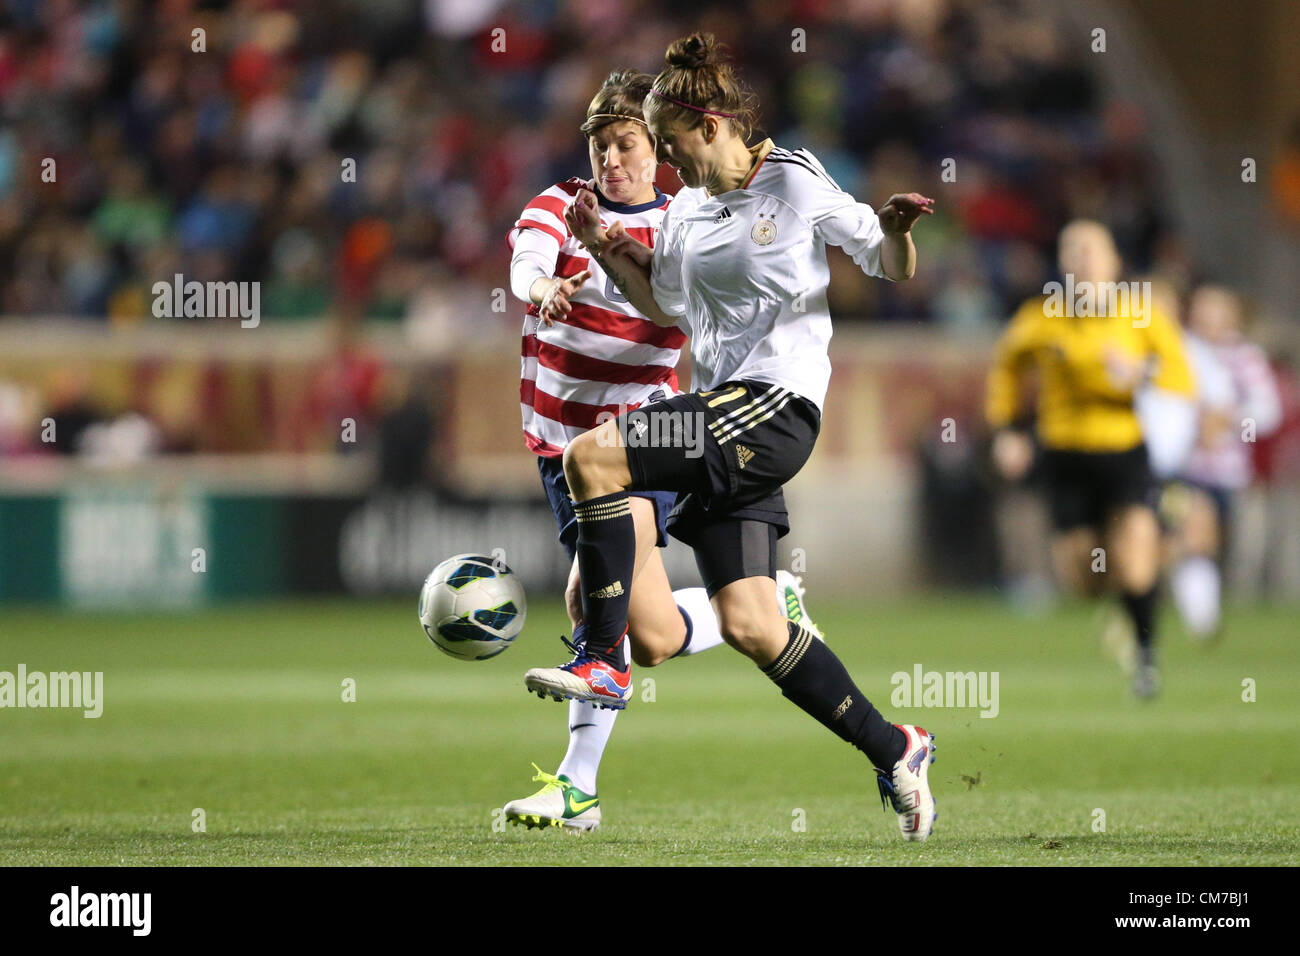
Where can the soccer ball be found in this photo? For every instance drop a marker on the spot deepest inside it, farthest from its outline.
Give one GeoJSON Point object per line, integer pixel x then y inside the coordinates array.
{"type": "Point", "coordinates": [471, 607]}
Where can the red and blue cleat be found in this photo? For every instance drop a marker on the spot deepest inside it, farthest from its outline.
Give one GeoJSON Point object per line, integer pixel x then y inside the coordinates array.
{"type": "Point", "coordinates": [583, 678]}
{"type": "Point", "coordinates": [906, 786]}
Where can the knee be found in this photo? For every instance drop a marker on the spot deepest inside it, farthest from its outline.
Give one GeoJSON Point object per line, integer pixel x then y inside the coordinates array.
{"type": "Point", "coordinates": [1139, 573]}
{"type": "Point", "coordinates": [576, 462]}
{"type": "Point", "coordinates": [582, 468]}
{"type": "Point", "coordinates": [594, 464]}
{"type": "Point", "coordinates": [1139, 550]}
{"type": "Point", "coordinates": [760, 637]}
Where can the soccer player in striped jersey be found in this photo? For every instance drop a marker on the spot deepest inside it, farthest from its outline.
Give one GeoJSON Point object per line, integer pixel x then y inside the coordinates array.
{"type": "Point", "coordinates": [1091, 363]}
{"type": "Point", "coordinates": [1238, 402]}
{"type": "Point", "coordinates": [741, 260]}
{"type": "Point", "coordinates": [588, 355]}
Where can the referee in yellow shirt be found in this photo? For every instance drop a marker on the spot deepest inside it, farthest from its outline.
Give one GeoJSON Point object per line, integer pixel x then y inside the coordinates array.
{"type": "Point", "coordinates": [1093, 341]}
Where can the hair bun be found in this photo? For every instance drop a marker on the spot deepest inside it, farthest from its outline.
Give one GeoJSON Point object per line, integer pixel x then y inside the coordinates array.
{"type": "Point", "coordinates": [693, 52]}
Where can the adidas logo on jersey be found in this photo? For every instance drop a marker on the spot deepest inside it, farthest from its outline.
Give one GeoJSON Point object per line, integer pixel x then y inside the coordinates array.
{"type": "Point", "coordinates": [723, 216]}
{"type": "Point", "coordinates": [743, 455]}
{"type": "Point", "coordinates": [608, 591]}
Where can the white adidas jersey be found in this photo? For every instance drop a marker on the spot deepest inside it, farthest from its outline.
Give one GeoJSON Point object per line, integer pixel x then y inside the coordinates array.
{"type": "Point", "coordinates": [748, 271]}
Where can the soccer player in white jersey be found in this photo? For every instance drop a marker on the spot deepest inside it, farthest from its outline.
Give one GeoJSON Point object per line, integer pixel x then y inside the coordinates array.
{"type": "Point", "coordinates": [1237, 403]}
{"type": "Point", "coordinates": [588, 355]}
{"type": "Point", "coordinates": [740, 260]}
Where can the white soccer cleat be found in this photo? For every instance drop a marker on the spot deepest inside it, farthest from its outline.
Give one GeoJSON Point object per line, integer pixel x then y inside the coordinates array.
{"type": "Point", "coordinates": [789, 597]}
{"type": "Point", "coordinates": [558, 804]}
{"type": "Point", "coordinates": [907, 786]}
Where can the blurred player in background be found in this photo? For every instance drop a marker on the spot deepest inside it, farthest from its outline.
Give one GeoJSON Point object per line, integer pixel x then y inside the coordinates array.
{"type": "Point", "coordinates": [742, 258]}
{"type": "Point", "coordinates": [588, 355]}
{"type": "Point", "coordinates": [1168, 419]}
{"type": "Point", "coordinates": [1094, 462]}
{"type": "Point", "coordinates": [1238, 402]}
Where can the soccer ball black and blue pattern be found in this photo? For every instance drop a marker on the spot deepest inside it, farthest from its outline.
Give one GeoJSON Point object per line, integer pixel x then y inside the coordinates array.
{"type": "Point", "coordinates": [472, 607]}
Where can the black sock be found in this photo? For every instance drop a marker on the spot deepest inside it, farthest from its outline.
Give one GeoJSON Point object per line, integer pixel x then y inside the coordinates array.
{"type": "Point", "coordinates": [810, 675]}
{"type": "Point", "coordinates": [1142, 609]}
{"type": "Point", "coordinates": [606, 561]}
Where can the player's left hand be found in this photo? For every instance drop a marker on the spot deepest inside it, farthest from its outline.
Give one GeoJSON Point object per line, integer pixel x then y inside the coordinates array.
{"type": "Point", "coordinates": [582, 216]}
{"type": "Point", "coordinates": [555, 305]}
{"type": "Point", "coordinates": [903, 209]}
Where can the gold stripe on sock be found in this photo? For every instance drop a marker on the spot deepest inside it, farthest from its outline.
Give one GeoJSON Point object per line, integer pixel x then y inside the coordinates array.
{"type": "Point", "coordinates": [602, 511]}
{"type": "Point", "coordinates": [790, 657]}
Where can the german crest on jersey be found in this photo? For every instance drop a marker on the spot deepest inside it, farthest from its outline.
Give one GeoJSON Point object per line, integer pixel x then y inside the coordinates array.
{"type": "Point", "coordinates": [764, 232]}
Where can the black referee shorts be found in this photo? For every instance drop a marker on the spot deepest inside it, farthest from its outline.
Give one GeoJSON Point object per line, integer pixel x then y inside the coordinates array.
{"type": "Point", "coordinates": [727, 452]}
{"type": "Point", "coordinates": [1085, 488]}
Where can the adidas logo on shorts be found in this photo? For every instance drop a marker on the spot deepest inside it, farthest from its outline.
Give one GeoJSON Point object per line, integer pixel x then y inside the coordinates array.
{"type": "Point", "coordinates": [608, 591]}
{"type": "Point", "coordinates": [743, 455]}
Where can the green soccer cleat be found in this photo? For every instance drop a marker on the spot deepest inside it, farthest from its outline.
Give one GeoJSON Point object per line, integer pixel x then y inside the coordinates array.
{"type": "Point", "coordinates": [558, 804]}
{"type": "Point", "coordinates": [789, 595]}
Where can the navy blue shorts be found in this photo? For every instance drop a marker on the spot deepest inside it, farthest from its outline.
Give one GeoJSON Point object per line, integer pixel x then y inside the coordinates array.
{"type": "Point", "coordinates": [1172, 507]}
{"type": "Point", "coordinates": [557, 493]}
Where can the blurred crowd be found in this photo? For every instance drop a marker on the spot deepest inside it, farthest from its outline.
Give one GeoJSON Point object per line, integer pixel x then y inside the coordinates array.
{"type": "Point", "coordinates": [364, 160]}
{"type": "Point", "coordinates": [230, 162]}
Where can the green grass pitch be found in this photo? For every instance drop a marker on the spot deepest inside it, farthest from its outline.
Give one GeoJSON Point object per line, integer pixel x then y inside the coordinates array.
{"type": "Point", "coordinates": [239, 711]}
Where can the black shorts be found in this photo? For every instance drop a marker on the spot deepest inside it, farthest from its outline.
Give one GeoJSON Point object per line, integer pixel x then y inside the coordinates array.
{"type": "Point", "coordinates": [1085, 488]}
{"type": "Point", "coordinates": [727, 451]}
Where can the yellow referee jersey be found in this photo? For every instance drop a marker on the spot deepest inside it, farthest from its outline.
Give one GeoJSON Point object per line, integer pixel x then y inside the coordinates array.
{"type": "Point", "coordinates": [1084, 401]}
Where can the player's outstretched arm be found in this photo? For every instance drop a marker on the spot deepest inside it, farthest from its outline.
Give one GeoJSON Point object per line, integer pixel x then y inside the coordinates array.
{"type": "Point", "coordinates": [898, 252]}
{"type": "Point", "coordinates": [625, 260]}
{"type": "Point", "coordinates": [628, 263]}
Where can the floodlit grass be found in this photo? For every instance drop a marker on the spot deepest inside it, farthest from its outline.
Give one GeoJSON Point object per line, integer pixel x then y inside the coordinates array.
{"type": "Point", "coordinates": [239, 711]}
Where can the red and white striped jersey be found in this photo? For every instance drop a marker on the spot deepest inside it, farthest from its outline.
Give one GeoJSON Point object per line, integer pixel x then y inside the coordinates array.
{"type": "Point", "coordinates": [604, 356]}
{"type": "Point", "coordinates": [1238, 388]}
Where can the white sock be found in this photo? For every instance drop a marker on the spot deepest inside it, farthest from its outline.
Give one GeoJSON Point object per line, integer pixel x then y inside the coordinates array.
{"type": "Point", "coordinates": [589, 730]}
{"type": "Point", "coordinates": [1197, 593]}
{"type": "Point", "coordinates": [701, 622]}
